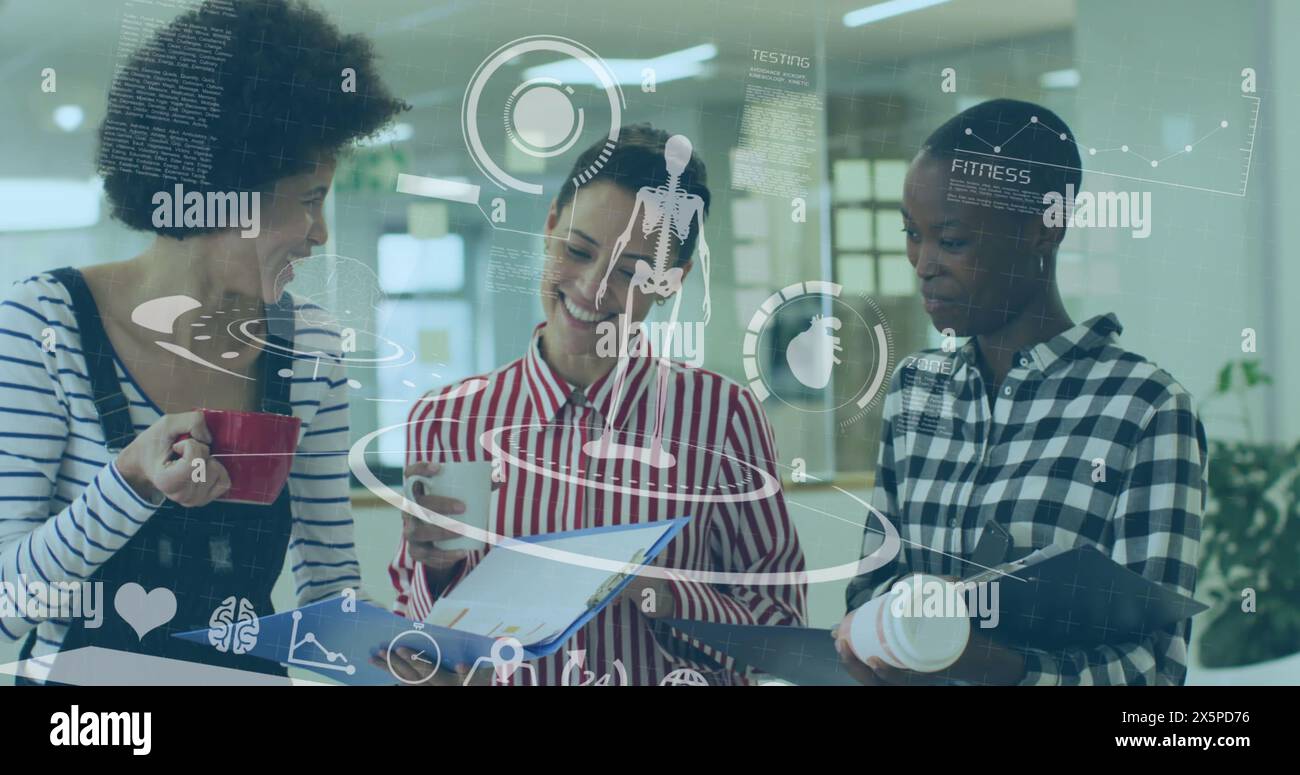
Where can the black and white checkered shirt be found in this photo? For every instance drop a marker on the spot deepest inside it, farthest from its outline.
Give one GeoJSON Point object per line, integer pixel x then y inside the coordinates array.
{"type": "Point", "coordinates": [1086, 444]}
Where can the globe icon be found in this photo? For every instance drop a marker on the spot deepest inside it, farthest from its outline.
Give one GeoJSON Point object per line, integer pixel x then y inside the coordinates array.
{"type": "Point", "coordinates": [684, 677]}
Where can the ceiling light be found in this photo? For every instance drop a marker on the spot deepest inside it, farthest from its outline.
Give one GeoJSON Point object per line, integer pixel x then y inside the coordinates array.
{"type": "Point", "coordinates": [393, 134]}
{"type": "Point", "coordinates": [687, 63]}
{"type": "Point", "coordinates": [874, 13]}
{"type": "Point", "coordinates": [69, 117]}
{"type": "Point", "coordinates": [1059, 79]}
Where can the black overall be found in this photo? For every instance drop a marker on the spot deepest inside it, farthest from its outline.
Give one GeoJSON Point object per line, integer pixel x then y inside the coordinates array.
{"type": "Point", "coordinates": [203, 555]}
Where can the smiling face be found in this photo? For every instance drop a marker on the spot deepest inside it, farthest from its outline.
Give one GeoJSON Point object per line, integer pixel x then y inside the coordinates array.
{"type": "Point", "coordinates": [292, 223]}
{"type": "Point", "coordinates": [574, 269]}
{"type": "Point", "coordinates": [978, 266]}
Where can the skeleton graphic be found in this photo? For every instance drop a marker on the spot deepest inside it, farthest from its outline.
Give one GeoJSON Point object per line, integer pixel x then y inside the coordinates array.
{"type": "Point", "coordinates": [669, 211]}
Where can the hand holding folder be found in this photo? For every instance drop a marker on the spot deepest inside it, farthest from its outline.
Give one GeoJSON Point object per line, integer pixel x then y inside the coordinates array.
{"type": "Point", "coordinates": [533, 597]}
{"type": "Point", "coordinates": [1053, 598]}
{"type": "Point", "coordinates": [1079, 597]}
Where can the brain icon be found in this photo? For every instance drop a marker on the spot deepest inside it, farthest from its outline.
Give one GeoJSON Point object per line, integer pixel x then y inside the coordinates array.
{"type": "Point", "coordinates": [234, 626]}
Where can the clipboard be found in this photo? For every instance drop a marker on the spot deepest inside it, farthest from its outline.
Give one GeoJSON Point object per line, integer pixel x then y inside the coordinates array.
{"type": "Point", "coordinates": [331, 639]}
{"type": "Point", "coordinates": [804, 656]}
{"type": "Point", "coordinates": [1059, 598]}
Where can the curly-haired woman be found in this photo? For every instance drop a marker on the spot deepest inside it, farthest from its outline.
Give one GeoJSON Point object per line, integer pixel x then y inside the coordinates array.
{"type": "Point", "coordinates": [101, 496]}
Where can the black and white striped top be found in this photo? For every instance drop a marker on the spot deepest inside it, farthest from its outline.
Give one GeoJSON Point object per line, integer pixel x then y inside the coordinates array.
{"type": "Point", "coordinates": [65, 509]}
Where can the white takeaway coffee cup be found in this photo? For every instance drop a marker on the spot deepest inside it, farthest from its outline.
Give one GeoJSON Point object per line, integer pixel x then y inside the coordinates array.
{"type": "Point", "coordinates": [902, 636]}
{"type": "Point", "coordinates": [468, 482]}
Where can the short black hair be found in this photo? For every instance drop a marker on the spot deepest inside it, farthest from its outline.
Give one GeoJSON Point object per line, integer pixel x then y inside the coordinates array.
{"type": "Point", "coordinates": [636, 161]}
{"type": "Point", "coordinates": [271, 103]}
{"type": "Point", "coordinates": [1030, 132]}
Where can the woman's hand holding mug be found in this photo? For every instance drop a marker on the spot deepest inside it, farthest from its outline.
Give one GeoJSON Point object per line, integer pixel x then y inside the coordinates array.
{"type": "Point", "coordinates": [422, 538]}
{"type": "Point", "coordinates": [161, 461]}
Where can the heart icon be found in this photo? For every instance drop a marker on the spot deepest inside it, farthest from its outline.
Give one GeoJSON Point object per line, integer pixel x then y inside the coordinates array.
{"type": "Point", "coordinates": [144, 611]}
{"type": "Point", "coordinates": [811, 354]}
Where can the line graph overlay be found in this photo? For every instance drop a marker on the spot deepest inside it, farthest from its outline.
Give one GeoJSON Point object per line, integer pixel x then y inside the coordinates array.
{"type": "Point", "coordinates": [997, 151]}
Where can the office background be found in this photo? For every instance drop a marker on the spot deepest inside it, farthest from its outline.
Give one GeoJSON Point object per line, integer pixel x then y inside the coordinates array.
{"type": "Point", "coordinates": [1216, 261]}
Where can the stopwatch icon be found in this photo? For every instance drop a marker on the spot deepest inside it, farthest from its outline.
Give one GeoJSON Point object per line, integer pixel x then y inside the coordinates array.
{"type": "Point", "coordinates": [427, 654]}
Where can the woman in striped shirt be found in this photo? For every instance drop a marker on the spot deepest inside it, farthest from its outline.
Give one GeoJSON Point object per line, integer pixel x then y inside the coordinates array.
{"type": "Point", "coordinates": [98, 438]}
{"type": "Point", "coordinates": [564, 390]}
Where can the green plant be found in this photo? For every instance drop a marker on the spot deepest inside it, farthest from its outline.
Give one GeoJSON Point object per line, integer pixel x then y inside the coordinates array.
{"type": "Point", "coordinates": [1238, 379]}
{"type": "Point", "coordinates": [370, 170]}
{"type": "Point", "coordinates": [1250, 543]}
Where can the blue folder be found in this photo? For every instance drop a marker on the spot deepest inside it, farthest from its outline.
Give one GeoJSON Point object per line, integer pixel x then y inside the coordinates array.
{"type": "Point", "coordinates": [331, 639]}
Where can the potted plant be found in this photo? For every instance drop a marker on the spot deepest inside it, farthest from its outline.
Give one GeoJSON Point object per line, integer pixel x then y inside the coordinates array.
{"type": "Point", "coordinates": [1250, 542]}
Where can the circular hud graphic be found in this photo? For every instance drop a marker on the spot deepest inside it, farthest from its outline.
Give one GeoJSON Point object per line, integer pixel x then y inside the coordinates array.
{"type": "Point", "coordinates": [762, 485]}
{"type": "Point", "coordinates": [817, 350]}
{"type": "Point", "coordinates": [542, 114]}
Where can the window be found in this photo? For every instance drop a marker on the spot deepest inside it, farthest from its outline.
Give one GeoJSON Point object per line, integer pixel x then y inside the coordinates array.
{"type": "Point", "coordinates": [425, 299]}
{"type": "Point", "coordinates": [869, 251]}
{"type": "Point", "coordinates": [869, 246]}
{"type": "Point", "coordinates": [411, 265]}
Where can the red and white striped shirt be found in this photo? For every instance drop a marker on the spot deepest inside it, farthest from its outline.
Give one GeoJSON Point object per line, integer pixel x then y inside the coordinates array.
{"type": "Point", "coordinates": [706, 414]}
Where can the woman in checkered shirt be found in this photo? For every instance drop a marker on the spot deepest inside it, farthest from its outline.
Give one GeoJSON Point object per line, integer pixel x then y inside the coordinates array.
{"type": "Point", "coordinates": [1044, 426]}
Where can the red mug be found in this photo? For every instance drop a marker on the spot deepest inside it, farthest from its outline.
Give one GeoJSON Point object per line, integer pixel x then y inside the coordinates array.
{"type": "Point", "coordinates": [257, 450]}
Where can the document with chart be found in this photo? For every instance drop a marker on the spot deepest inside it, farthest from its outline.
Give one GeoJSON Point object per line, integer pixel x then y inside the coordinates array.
{"type": "Point", "coordinates": [538, 590]}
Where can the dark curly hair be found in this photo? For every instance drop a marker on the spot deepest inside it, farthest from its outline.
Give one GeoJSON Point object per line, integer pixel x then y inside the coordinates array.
{"type": "Point", "coordinates": [233, 96]}
{"type": "Point", "coordinates": [638, 160]}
